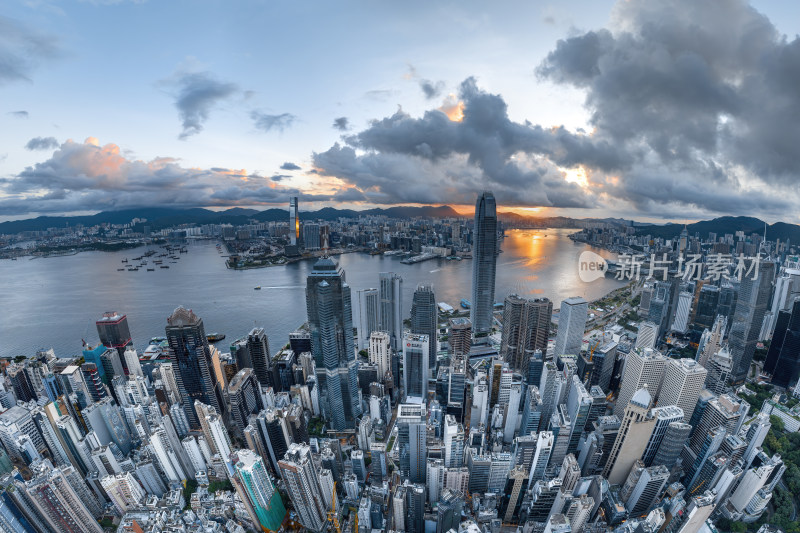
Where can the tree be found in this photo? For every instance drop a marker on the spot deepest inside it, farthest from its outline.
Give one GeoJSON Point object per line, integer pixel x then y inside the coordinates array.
{"type": "Point", "coordinates": [777, 423]}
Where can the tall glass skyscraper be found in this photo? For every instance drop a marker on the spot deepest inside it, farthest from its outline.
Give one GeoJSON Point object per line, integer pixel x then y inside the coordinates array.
{"type": "Point", "coordinates": [484, 262]}
{"type": "Point", "coordinates": [190, 355]}
{"type": "Point", "coordinates": [330, 319]}
{"type": "Point", "coordinates": [425, 318]}
{"type": "Point", "coordinates": [748, 317]}
{"type": "Point", "coordinates": [391, 308]}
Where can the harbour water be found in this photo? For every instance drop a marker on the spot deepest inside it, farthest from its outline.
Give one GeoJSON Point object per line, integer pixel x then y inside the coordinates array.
{"type": "Point", "coordinates": [54, 302]}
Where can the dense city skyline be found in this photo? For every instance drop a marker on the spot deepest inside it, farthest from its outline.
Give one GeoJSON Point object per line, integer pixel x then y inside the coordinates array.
{"type": "Point", "coordinates": [532, 101]}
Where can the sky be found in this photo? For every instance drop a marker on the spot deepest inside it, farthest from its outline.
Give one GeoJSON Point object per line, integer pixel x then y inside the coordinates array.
{"type": "Point", "coordinates": [669, 110]}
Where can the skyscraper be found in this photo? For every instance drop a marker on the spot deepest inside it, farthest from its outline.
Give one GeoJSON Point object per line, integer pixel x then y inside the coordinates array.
{"type": "Point", "coordinates": [683, 380]}
{"type": "Point", "coordinates": [379, 352]}
{"type": "Point", "coordinates": [303, 486]}
{"type": "Point", "coordinates": [526, 324]}
{"type": "Point", "coordinates": [412, 441]}
{"type": "Point", "coordinates": [368, 315]}
{"type": "Point", "coordinates": [425, 318]}
{"type": "Point", "coordinates": [460, 338]}
{"type": "Point", "coordinates": [786, 345]}
{"type": "Point", "coordinates": [330, 320]}
{"type": "Point", "coordinates": [259, 356]}
{"type": "Point", "coordinates": [190, 354]}
{"type": "Point", "coordinates": [415, 365]}
{"type": "Point", "coordinates": [484, 262]}
{"type": "Point", "coordinates": [571, 323]}
{"type": "Point", "coordinates": [114, 332]}
{"type": "Point", "coordinates": [748, 317]}
{"type": "Point", "coordinates": [294, 221]}
{"type": "Point", "coordinates": [244, 398]}
{"type": "Point", "coordinates": [632, 438]}
{"type": "Point", "coordinates": [264, 498]}
{"type": "Point", "coordinates": [643, 367]}
{"type": "Point", "coordinates": [391, 307]}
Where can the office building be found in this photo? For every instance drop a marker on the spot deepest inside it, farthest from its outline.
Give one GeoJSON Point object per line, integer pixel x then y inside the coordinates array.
{"type": "Point", "coordinates": [460, 338]}
{"type": "Point", "coordinates": [258, 356]}
{"type": "Point", "coordinates": [526, 325]}
{"type": "Point", "coordinates": [642, 367]}
{"type": "Point", "coordinates": [643, 487]}
{"type": "Point", "coordinates": [571, 325]}
{"type": "Point", "coordinates": [415, 365]}
{"type": "Point", "coordinates": [748, 317]}
{"type": "Point", "coordinates": [244, 398]}
{"type": "Point", "coordinates": [425, 318]}
{"type": "Point", "coordinates": [785, 349]}
{"type": "Point", "coordinates": [683, 380]}
{"type": "Point", "coordinates": [484, 263]}
{"type": "Point", "coordinates": [632, 438]}
{"type": "Point", "coordinates": [412, 441]}
{"type": "Point", "coordinates": [114, 332]}
{"type": "Point", "coordinates": [368, 316]}
{"type": "Point", "coordinates": [330, 320]}
{"type": "Point", "coordinates": [311, 236]}
{"type": "Point", "coordinates": [391, 307]}
{"type": "Point", "coordinates": [294, 221]}
{"type": "Point", "coordinates": [190, 354]}
{"type": "Point", "coordinates": [664, 417]}
{"type": "Point", "coordinates": [380, 353]}
{"type": "Point", "coordinates": [647, 335]}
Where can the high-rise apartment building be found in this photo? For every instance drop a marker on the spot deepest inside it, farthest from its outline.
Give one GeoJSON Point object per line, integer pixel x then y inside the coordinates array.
{"type": "Point", "coordinates": [330, 319]}
{"type": "Point", "coordinates": [484, 263]}
{"type": "Point", "coordinates": [261, 493]}
{"type": "Point", "coordinates": [303, 486]}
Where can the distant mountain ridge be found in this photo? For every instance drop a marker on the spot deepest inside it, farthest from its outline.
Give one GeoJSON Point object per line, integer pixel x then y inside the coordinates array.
{"type": "Point", "coordinates": [164, 217]}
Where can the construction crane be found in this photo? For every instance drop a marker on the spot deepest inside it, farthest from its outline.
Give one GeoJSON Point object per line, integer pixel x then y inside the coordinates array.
{"type": "Point", "coordinates": [332, 518]}
{"type": "Point", "coordinates": [591, 352]}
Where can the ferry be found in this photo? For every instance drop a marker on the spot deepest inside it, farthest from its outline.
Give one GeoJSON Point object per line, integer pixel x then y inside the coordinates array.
{"type": "Point", "coordinates": [466, 304]}
{"type": "Point", "coordinates": [215, 337]}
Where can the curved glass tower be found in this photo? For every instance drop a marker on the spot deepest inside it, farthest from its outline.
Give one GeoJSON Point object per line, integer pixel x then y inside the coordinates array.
{"type": "Point", "coordinates": [484, 262]}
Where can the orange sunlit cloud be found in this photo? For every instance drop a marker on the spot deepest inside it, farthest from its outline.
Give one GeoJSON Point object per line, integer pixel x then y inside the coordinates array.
{"type": "Point", "coordinates": [453, 108]}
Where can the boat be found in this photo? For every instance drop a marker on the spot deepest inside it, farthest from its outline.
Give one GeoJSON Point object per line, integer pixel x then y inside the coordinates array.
{"type": "Point", "coordinates": [257, 288]}
{"type": "Point", "coordinates": [164, 266]}
{"type": "Point", "coordinates": [215, 337]}
{"type": "Point", "coordinates": [125, 260]}
{"type": "Point", "coordinates": [120, 269]}
{"type": "Point", "coordinates": [151, 269]}
{"type": "Point", "coordinates": [466, 304]}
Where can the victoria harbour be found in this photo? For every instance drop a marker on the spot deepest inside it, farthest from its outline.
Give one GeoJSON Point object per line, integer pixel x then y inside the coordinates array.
{"type": "Point", "coordinates": [56, 300]}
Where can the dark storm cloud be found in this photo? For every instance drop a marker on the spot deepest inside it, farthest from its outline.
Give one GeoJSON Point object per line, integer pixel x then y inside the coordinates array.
{"type": "Point", "coordinates": [197, 94]}
{"type": "Point", "coordinates": [434, 159]}
{"type": "Point", "coordinates": [279, 177]}
{"type": "Point", "coordinates": [431, 89]}
{"type": "Point", "coordinates": [289, 166]}
{"type": "Point", "coordinates": [22, 50]}
{"type": "Point", "coordinates": [701, 94]}
{"type": "Point", "coordinates": [18, 114]}
{"type": "Point", "coordinates": [267, 122]}
{"type": "Point", "coordinates": [341, 124]}
{"type": "Point", "coordinates": [89, 177]}
{"type": "Point", "coordinates": [693, 106]}
{"type": "Point", "coordinates": [42, 143]}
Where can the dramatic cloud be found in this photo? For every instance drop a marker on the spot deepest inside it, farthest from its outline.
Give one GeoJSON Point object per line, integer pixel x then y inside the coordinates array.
{"type": "Point", "coordinates": [197, 94]}
{"type": "Point", "coordinates": [42, 143]}
{"type": "Point", "coordinates": [341, 124]}
{"type": "Point", "coordinates": [701, 95]}
{"type": "Point", "coordinates": [18, 114]}
{"type": "Point", "coordinates": [289, 166]}
{"type": "Point", "coordinates": [87, 176]}
{"type": "Point", "coordinates": [22, 50]}
{"type": "Point", "coordinates": [694, 108]}
{"type": "Point", "coordinates": [266, 122]}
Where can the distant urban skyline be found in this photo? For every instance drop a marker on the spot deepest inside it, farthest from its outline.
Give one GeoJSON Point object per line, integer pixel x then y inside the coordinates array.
{"type": "Point", "coordinates": [116, 104]}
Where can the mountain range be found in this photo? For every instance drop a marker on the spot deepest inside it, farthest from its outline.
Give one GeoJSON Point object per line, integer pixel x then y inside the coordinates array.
{"type": "Point", "coordinates": [164, 217]}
